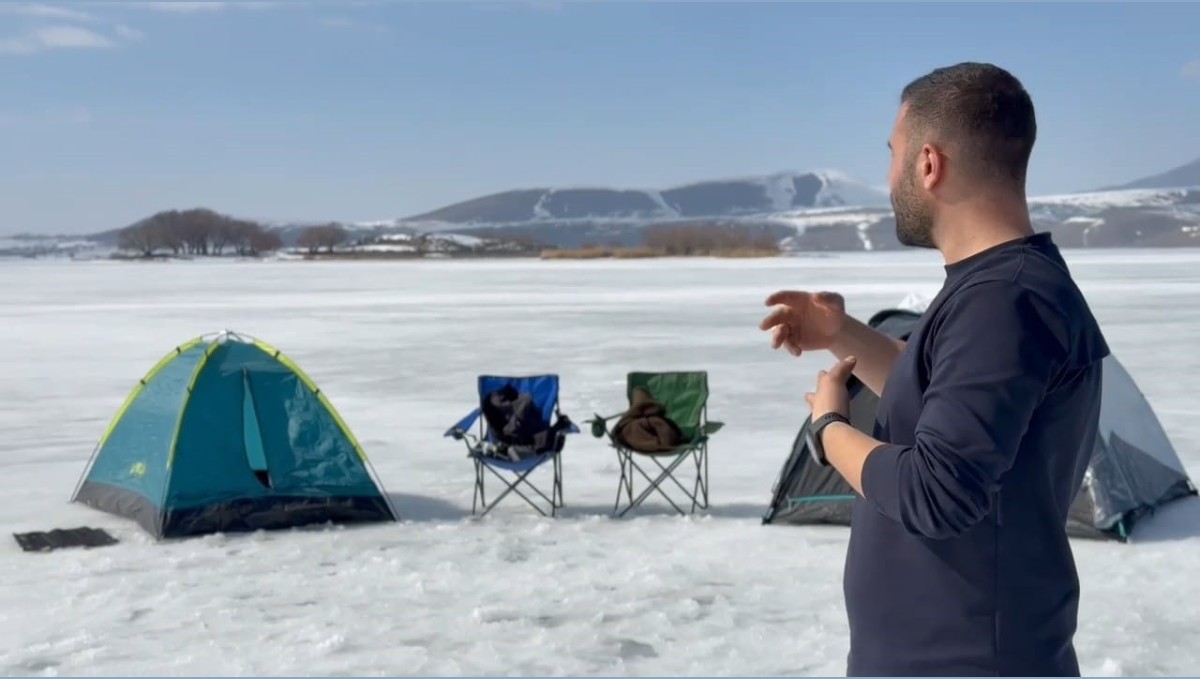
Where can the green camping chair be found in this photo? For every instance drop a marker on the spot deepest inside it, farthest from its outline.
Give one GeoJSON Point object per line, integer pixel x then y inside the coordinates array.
{"type": "Point", "coordinates": [684, 398]}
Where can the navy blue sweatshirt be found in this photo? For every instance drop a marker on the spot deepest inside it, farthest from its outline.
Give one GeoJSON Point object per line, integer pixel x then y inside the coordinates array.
{"type": "Point", "coordinates": [958, 562]}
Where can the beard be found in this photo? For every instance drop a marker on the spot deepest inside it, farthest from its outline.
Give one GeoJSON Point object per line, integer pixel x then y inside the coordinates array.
{"type": "Point", "coordinates": [914, 221]}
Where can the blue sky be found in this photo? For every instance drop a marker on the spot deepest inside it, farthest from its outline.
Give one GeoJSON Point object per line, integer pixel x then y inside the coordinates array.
{"type": "Point", "coordinates": [111, 111]}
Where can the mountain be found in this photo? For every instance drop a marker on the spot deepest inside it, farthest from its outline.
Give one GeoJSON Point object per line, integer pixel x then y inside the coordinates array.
{"type": "Point", "coordinates": [1129, 218]}
{"type": "Point", "coordinates": [1184, 176]}
{"type": "Point", "coordinates": [813, 211]}
{"type": "Point", "coordinates": [720, 198]}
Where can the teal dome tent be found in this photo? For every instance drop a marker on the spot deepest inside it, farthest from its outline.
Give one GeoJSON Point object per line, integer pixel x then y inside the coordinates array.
{"type": "Point", "coordinates": [226, 434]}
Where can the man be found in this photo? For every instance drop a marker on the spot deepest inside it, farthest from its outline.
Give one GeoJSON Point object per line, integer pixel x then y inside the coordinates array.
{"type": "Point", "coordinates": [958, 561]}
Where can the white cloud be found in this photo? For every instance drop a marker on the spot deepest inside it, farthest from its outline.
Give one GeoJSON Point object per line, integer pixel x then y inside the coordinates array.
{"type": "Point", "coordinates": [1191, 69]}
{"type": "Point", "coordinates": [51, 36]}
{"type": "Point", "coordinates": [46, 12]}
{"type": "Point", "coordinates": [54, 37]}
{"type": "Point", "coordinates": [128, 32]}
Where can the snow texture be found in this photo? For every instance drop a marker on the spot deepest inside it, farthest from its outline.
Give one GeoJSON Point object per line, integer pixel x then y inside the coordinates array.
{"type": "Point", "coordinates": [840, 188]}
{"type": "Point", "coordinates": [1103, 199]}
{"type": "Point", "coordinates": [397, 346]}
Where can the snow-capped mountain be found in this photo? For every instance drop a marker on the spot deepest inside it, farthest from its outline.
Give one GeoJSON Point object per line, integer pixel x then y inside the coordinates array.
{"type": "Point", "coordinates": [1132, 218]}
{"type": "Point", "coordinates": [824, 210]}
{"type": "Point", "coordinates": [1184, 176]}
{"type": "Point", "coordinates": [811, 211]}
{"type": "Point", "coordinates": [718, 198]}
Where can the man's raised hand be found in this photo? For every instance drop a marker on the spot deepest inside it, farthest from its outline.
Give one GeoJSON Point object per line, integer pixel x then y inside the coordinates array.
{"type": "Point", "coordinates": [804, 321]}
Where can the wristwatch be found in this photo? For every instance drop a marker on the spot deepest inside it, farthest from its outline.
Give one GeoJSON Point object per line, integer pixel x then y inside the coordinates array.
{"type": "Point", "coordinates": [815, 447]}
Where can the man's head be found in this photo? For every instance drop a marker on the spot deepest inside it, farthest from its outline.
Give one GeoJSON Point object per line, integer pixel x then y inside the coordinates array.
{"type": "Point", "coordinates": [962, 130]}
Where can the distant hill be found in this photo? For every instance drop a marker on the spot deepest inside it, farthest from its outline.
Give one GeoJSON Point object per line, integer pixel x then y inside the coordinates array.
{"type": "Point", "coordinates": [814, 211]}
{"type": "Point", "coordinates": [810, 211]}
{"type": "Point", "coordinates": [1184, 176]}
{"type": "Point", "coordinates": [719, 198]}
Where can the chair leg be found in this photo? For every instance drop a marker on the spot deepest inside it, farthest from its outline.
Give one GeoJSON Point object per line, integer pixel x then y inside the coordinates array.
{"type": "Point", "coordinates": [477, 497]}
{"type": "Point", "coordinates": [554, 502]}
{"type": "Point", "coordinates": [625, 483]}
{"type": "Point", "coordinates": [558, 485]}
{"type": "Point", "coordinates": [700, 489]}
{"type": "Point", "coordinates": [655, 484]}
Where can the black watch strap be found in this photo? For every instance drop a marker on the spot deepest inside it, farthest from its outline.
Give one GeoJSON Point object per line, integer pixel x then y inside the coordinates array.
{"type": "Point", "coordinates": [817, 428]}
{"type": "Point", "coordinates": [828, 418]}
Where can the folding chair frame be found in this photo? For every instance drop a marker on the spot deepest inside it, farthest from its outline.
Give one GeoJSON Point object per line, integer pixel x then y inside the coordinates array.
{"type": "Point", "coordinates": [478, 444]}
{"type": "Point", "coordinates": [696, 451]}
{"type": "Point", "coordinates": [554, 503]}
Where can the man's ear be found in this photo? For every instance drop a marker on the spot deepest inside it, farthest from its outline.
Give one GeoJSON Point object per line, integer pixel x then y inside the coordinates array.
{"type": "Point", "coordinates": [933, 166]}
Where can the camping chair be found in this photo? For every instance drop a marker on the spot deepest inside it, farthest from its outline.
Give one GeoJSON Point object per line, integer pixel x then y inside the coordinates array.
{"type": "Point", "coordinates": [532, 432]}
{"type": "Point", "coordinates": [684, 397]}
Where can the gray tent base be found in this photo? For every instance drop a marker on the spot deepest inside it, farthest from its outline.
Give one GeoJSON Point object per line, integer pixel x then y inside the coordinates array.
{"type": "Point", "coordinates": [1126, 480]}
{"type": "Point", "coordinates": [61, 538]}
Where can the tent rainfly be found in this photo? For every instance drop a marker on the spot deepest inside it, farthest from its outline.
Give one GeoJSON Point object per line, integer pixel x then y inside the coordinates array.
{"type": "Point", "coordinates": [226, 434]}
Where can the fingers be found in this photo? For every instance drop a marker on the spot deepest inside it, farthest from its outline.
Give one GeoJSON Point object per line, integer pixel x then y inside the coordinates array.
{"type": "Point", "coordinates": [842, 370]}
{"type": "Point", "coordinates": [781, 297]}
{"type": "Point", "coordinates": [774, 318]}
{"type": "Point", "coordinates": [778, 335]}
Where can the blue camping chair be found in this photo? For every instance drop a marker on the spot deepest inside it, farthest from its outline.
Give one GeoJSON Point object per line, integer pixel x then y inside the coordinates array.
{"type": "Point", "coordinates": [520, 428]}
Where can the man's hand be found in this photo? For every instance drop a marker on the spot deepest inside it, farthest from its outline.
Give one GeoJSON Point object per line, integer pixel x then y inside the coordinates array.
{"type": "Point", "coordinates": [846, 448]}
{"type": "Point", "coordinates": [831, 395]}
{"type": "Point", "coordinates": [804, 321]}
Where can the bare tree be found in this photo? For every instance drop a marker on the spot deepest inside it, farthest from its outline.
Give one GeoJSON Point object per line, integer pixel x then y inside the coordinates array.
{"type": "Point", "coordinates": [225, 232]}
{"type": "Point", "coordinates": [263, 241]}
{"type": "Point", "coordinates": [198, 231]}
{"type": "Point", "coordinates": [327, 236]}
{"type": "Point", "coordinates": [142, 237]}
{"type": "Point", "coordinates": [309, 239]}
{"type": "Point", "coordinates": [251, 239]}
{"type": "Point", "coordinates": [333, 235]}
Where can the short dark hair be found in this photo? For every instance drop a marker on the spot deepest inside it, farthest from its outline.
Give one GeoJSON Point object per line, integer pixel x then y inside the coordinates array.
{"type": "Point", "coordinates": [983, 110]}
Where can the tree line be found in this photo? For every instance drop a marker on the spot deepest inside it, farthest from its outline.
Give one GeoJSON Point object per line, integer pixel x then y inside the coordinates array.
{"type": "Point", "coordinates": [326, 236]}
{"type": "Point", "coordinates": [204, 232]}
{"type": "Point", "coordinates": [199, 231]}
{"type": "Point", "coordinates": [701, 238]}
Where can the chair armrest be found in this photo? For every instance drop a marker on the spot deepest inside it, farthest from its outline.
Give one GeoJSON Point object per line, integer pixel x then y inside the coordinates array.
{"type": "Point", "coordinates": [598, 426]}
{"type": "Point", "coordinates": [571, 428]}
{"type": "Point", "coordinates": [460, 428]}
{"type": "Point", "coordinates": [711, 427]}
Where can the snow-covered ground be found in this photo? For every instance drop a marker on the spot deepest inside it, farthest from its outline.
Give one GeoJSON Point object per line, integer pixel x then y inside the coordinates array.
{"type": "Point", "coordinates": [1118, 198]}
{"type": "Point", "coordinates": [396, 346]}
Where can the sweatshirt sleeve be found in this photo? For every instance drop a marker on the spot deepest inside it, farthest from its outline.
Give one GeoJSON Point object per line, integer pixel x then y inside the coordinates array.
{"type": "Point", "coordinates": [992, 360]}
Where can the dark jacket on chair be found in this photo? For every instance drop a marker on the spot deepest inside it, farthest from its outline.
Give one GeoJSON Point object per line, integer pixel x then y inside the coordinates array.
{"type": "Point", "coordinates": [645, 427]}
{"type": "Point", "coordinates": [517, 426]}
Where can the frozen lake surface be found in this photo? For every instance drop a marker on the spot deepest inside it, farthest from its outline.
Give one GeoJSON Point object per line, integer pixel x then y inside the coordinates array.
{"type": "Point", "coordinates": [396, 347]}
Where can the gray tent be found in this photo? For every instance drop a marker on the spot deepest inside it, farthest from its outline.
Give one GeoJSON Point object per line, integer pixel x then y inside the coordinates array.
{"type": "Point", "coordinates": [1134, 469]}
